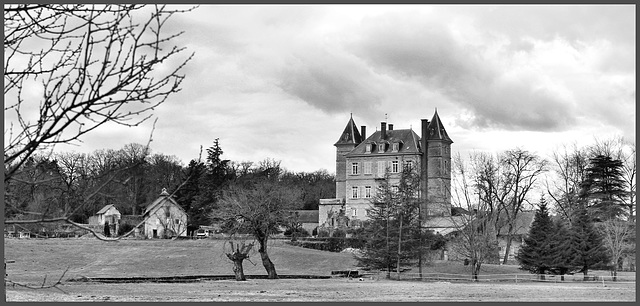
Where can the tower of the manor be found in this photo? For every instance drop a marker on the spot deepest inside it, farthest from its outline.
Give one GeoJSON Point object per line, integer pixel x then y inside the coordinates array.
{"type": "Point", "coordinates": [349, 139]}
{"type": "Point", "coordinates": [438, 167]}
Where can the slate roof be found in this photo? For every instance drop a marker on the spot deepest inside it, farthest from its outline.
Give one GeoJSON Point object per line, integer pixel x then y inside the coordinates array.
{"type": "Point", "coordinates": [105, 209]}
{"type": "Point", "coordinates": [350, 135]}
{"type": "Point", "coordinates": [436, 129]}
{"type": "Point", "coordinates": [445, 225]}
{"type": "Point", "coordinates": [307, 216]}
{"type": "Point", "coordinates": [164, 196]}
{"type": "Point", "coordinates": [523, 223]}
{"type": "Point", "coordinates": [409, 139]}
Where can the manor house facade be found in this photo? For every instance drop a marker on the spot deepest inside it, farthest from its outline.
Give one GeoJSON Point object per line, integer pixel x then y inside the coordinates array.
{"type": "Point", "coordinates": [363, 162]}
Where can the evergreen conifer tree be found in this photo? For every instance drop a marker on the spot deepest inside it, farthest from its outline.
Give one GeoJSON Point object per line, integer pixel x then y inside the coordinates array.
{"type": "Point", "coordinates": [393, 230]}
{"type": "Point", "coordinates": [560, 250]}
{"type": "Point", "coordinates": [534, 256]}
{"type": "Point", "coordinates": [586, 248]}
{"type": "Point", "coordinates": [603, 188]}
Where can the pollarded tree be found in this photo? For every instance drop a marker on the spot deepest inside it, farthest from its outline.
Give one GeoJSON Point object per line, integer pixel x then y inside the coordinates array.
{"type": "Point", "coordinates": [535, 255]}
{"type": "Point", "coordinates": [259, 206]}
{"type": "Point", "coordinates": [237, 254]}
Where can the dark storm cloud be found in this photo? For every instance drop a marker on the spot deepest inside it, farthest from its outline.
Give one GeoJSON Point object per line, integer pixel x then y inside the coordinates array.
{"type": "Point", "coordinates": [330, 83]}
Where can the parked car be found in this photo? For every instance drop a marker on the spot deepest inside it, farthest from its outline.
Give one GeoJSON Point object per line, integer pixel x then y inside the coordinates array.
{"type": "Point", "coordinates": [202, 233]}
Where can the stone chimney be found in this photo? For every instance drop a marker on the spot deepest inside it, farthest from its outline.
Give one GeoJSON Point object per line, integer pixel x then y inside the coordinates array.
{"type": "Point", "coordinates": [363, 131]}
{"type": "Point", "coordinates": [383, 130]}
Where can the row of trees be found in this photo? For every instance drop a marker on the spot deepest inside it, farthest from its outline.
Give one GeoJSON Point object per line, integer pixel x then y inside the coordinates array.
{"type": "Point", "coordinates": [77, 185]}
{"type": "Point", "coordinates": [595, 182]}
{"type": "Point", "coordinates": [557, 246]}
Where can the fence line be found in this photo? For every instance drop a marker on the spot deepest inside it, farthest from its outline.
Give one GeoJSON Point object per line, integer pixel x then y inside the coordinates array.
{"type": "Point", "coordinates": [621, 279]}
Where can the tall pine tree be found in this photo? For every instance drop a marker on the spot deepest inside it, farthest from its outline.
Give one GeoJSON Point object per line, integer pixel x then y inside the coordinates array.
{"type": "Point", "coordinates": [586, 248]}
{"type": "Point", "coordinates": [393, 231]}
{"type": "Point", "coordinates": [535, 256]}
{"type": "Point", "coordinates": [560, 249]}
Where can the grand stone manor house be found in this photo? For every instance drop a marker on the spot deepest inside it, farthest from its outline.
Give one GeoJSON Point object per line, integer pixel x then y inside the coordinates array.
{"type": "Point", "coordinates": [362, 162]}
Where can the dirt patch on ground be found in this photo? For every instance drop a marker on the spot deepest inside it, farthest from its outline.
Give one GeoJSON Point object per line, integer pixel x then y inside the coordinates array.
{"type": "Point", "coordinates": [328, 290]}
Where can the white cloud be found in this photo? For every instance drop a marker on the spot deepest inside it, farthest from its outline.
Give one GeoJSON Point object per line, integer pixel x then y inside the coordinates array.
{"type": "Point", "coordinates": [280, 81]}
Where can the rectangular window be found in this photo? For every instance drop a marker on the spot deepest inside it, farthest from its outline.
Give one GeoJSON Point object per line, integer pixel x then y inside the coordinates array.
{"type": "Point", "coordinates": [367, 167]}
{"type": "Point", "coordinates": [381, 168]}
{"type": "Point", "coordinates": [368, 148]}
{"type": "Point", "coordinates": [354, 168]}
{"type": "Point", "coordinates": [354, 192]}
{"type": "Point", "coordinates": [354, 212]}
{"type": "Point", "coordinates": [367, 191]}
{"type": "Point", "coordinates": [394, 166]}
{"type": "Point", "coordinates": [408, 165]}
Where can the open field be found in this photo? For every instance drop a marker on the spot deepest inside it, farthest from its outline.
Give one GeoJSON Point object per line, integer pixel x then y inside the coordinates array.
{"type": "Point", "coordinates": [92, 258]}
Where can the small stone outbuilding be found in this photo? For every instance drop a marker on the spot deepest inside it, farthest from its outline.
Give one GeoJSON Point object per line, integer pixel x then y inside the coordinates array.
{"type": "Point", "coordinates": [165, 218]}
{"type": "Point", "coordinates": [108, 214]}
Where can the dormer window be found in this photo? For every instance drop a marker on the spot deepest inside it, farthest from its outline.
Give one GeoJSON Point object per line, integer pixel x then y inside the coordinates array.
{"type": "Point", "coordinates": [367, 148]}
{"type": "Point", "coordinates": [381, 147]}
{"type": "Point", "coordinates": [396, 146]}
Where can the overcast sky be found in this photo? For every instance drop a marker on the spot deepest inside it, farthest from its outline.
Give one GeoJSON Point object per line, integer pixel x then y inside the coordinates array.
{"type": "Point", "coordinates": [281, 81]}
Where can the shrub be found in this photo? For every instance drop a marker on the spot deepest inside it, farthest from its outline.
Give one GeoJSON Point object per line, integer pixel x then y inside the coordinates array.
{"type": "Point", "coordinates": [323, 233]}
{"type": "Point", "coordinates": [301, 232]}
{"type": "Point", "coordinates": [339, 234]}
{"type": "Point", "coordinates": [124, 227]}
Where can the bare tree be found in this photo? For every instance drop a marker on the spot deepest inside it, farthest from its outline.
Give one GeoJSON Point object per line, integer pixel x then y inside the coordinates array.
{"type": "Point", "coordinates": [569, 165]}
{"type": "Point", "coordinates": [522, 170]}
{"type": "Point", "coordinates": [615, 236]}
{"type": "Point", "coordinates": [70, 69]}
{"type": "Point", "coordinates": [476, 237]}
{"type": "Point", "coordinates": [258, 206]}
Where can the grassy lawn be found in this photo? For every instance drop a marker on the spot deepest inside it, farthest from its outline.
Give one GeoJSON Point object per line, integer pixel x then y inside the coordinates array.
{"type": "Point", "coordinates": [37, 258]}
{"type": "Point", "coordinates": [127, 258]}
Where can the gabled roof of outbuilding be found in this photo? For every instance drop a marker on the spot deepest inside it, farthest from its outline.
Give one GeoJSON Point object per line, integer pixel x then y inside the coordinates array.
{"type": "Point", "coordinates": [524, 219]}
{"type": "Point", "coordinates": [410, 142]}
{"type": "Point", "coordinates": [105, 209]}
{"type": "Point", "coordinates": [164, 196]}
{"type": "Point", "coordinates": [350, 135]}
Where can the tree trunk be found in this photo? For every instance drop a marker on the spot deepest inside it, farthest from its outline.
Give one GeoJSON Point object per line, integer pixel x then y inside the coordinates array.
{"type": "Point", "coordinates": [585, 271]}
{"type": "Point", "coordinates": [399, 249]}
{"type": "Point", "coordinates": [476, 269]}
{"type": "Point", "coordinates": [508, 246]}
{"type": "Point", "coordinates": [238, 270]}
{"type": "Point", "coordinates": [266, 261]}
{"type": "Point", "coordinates": [238, 254]}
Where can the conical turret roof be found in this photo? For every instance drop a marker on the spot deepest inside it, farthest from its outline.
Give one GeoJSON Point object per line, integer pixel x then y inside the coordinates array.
{"type": "Point", "coordinates": [350, 135]}
{"type": "Point", "coordinates": [436, 129]}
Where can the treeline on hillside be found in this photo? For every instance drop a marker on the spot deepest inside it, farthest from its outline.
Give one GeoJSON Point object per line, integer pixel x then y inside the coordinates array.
{"type": "Point", "coordinates": [77, 185]}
